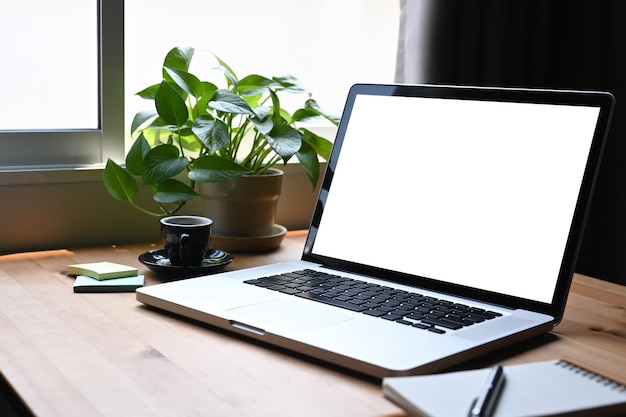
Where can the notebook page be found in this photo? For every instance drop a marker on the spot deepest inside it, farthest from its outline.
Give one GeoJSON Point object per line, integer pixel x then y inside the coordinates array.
{"type": "Point", "coordinates": [546, 388]}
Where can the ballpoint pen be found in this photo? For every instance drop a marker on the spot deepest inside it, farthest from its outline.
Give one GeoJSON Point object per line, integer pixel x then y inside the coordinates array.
{"type": "Point", "coordinates": [484, 405]}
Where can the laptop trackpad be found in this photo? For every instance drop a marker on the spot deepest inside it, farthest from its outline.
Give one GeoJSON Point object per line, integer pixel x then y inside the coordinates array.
{"type": "Point", "coordinates": [285, 315]}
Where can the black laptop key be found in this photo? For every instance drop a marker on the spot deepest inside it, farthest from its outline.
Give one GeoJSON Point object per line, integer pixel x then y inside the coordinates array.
{"type": "Point", "coordinates": [292, 275]}
{"type": "Point", "coordinates": [459, 320]}
{"type": "Point", "coordinates": [442, 323]}
{"type": "Point", "coordinates": [486, 314]}
{"type": "Point", "coordinates": [475, 318]}
{"type": "Point", "coordinates": [288, 290]}
{"type": "Point", "coordinates": [331, 301]}
{"type": "Point", "coordinates": [374, 312]}
{"type": "Point", "coordinates": [403, 312]}
{"type": "Point", "coordinates": [414, 316]}
{"type": "Point", "coordinates": [436, 330]}
{"type": "Point", "coordinates": [370, 304]}
{"type": "Point", "coordinates": [260, 283]}
{"type": "Point", "coordinates": [391, 317]}
{"type": "Point", "coordinates": [393, 303]}
{"type": "Point", "coordinates": [279, 278]}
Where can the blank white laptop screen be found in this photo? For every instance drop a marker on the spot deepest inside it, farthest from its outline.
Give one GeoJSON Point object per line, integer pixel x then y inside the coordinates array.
{"type": "Point", "coordinates": [483, 192]}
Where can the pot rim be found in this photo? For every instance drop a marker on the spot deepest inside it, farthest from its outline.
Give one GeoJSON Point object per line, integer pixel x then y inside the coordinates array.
{"type": "Point", "coordinates": [271, 172]}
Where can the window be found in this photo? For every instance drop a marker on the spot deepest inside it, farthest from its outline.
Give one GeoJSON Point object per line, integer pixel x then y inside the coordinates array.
{"type": "Point", "coordinates": [329, 45]}
{"type": "Point", "coordinates": [62, 83]}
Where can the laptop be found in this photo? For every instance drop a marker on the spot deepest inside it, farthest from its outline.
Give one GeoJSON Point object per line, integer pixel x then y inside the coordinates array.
{"type": "Point", "coordinates": [447, 225]}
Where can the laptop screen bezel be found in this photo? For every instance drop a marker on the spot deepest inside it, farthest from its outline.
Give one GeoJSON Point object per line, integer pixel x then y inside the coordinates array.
{"type": "Point", "coordinates": [602, 100]}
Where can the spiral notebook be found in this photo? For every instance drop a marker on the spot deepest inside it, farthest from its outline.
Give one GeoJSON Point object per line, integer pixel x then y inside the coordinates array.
{"type": "Point", "coordinates": [547, 388]}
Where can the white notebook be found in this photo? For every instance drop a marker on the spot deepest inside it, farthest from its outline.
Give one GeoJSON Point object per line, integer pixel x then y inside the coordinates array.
{"type": "Point", "coordinates": [548, 388]}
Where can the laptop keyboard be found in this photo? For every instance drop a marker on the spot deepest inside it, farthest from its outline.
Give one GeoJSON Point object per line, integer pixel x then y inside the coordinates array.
{"type": "Point", "coordinates": [403, 307]}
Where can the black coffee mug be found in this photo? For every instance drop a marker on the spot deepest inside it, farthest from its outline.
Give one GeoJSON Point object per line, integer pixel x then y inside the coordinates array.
{"type": "Point", "coordinates": [186, 239]}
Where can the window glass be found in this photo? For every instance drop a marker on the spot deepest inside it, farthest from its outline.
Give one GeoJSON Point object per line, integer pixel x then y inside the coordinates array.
{"type": "Point", "coordinates": [50, 65]}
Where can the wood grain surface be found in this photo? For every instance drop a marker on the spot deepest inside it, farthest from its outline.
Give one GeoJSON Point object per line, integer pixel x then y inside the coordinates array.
{"type": "Point", "coordinates": [69, 354]}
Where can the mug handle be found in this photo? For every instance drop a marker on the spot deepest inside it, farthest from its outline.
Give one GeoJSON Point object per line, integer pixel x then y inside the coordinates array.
{"type": "Point", "coordinates": [184, 247]}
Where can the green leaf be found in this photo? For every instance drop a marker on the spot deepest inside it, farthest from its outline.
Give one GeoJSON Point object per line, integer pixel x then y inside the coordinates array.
{"type": "Point", "coordinates": [134, 158]}
{"type": "Point", "coordinates": [262, 112]}
{"type": "Point", "coordinates": [159, 123]}
{"type": "Point", "coordinates": [291, 84]}
{"type": "Point", "coordinates": [312, 105]}
{"type": "Point", "coordinates": [190, 143]}
{"type": "Point", "coordinates": [212, 168]}
{"type": "Point", "coordinates": [118, 182]}
{"type": "Point", "coordinates": [275, 107]}
{"type": "Point", "coordinates": [212, 132]}
{"type": "Point", "coordinates": [305, 115]}
{"type": "Point", "coordinates": [187, 81]}
{"type": "Point", "coordinates": [159, 132]}
{"type": "Point", "coordinates": [254, 81]}
{"type": "Point", "coordinates": [308, 159]}
{"type": "Point", "coordinates": [149, 92]}
{"type": "Point", "coordinates": [322, 146]}
{"type": "Point", "coordinates": [178, 58]}
{"type": "Point", "coordinates": [173, 191]}
{"type": "Point", "coordinates": [284, 140]}
{"type": "Point", "coordinates": [230, 103]}
{"type": "Point", "coordinates": [162, 163]}
{"type": "Point", "coordinates": [263, 125]}
{"type": "Point", "coordinates": [231, 77]}
{"type": "Point", "coordinates": [141, 119]}
{"type": "Point", "coordinates": [201, 107]}
{"type": "Point", "coordinates": [253, 85]}
{"type": "Point", "coordinates": [170, 105]}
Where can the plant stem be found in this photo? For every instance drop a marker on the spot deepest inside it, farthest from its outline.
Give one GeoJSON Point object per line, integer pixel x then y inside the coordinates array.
{"type": "Point", "coordinates": [259, 162]}
{"type": "Point", "coordinates": [249, 160]}
{"type": "Point", "coordinates": [238, 139]}
{"type": "Point", "coordinates": [165, 211]}
{"type": "Point", "coordinates": [143, 210]}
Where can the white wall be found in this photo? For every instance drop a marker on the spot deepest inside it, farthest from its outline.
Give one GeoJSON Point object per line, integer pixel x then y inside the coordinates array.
{"type": "Point", "coordinates": [328, 44]}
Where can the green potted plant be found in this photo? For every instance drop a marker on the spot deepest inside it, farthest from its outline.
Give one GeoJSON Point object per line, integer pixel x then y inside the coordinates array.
{"type": "Point", "coordinates": [198, 132]}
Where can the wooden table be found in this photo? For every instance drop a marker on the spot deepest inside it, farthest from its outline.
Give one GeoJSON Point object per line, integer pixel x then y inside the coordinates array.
{"type": "Point", "coordinates": [69, 354]}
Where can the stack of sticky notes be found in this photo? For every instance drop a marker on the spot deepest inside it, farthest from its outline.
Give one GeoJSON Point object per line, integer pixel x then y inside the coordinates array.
{"type": "Point", "coordinates": [105, 277]}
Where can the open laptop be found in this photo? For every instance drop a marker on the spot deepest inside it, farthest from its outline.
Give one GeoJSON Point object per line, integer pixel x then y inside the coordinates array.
{"type": "Point", "coordinates": [455, 213]}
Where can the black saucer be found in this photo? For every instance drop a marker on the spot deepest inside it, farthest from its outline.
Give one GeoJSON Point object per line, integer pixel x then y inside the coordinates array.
{"type": "Point", "coordinates": [157, 261]}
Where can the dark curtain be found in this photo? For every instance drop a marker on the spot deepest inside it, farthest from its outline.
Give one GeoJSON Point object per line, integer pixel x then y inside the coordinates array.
{"type": "Point", "coordinates": [571, 44]}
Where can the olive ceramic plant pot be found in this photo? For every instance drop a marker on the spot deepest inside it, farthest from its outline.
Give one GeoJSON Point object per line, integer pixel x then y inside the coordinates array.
{"type": "Point", "coordinates": [244, 211]}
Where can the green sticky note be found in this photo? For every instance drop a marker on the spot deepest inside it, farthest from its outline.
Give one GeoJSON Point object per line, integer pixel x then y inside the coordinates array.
{"type": "Point", "coordinates": [102, 270]}
{"type": "Point", "coordinates": [87, 284]}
